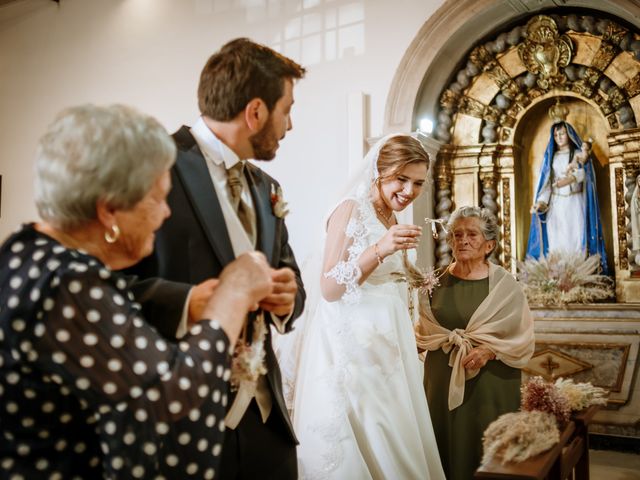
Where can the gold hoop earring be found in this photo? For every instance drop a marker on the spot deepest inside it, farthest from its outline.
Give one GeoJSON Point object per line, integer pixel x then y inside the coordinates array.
{"type": "Point", "coordinates": [112, 237]}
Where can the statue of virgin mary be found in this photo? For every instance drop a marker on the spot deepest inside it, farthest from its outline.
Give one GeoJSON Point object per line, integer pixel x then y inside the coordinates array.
{"type": "Point", "coordinates": [565, 215]}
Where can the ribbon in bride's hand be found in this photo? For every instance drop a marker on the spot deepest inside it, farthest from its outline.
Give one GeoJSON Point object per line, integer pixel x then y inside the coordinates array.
{"type": "Point", "coordinates": [434, 222]}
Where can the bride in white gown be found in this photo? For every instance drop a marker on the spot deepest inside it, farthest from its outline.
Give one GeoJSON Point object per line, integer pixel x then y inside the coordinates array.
{"type": "Point", "coordinates": [359, 407]}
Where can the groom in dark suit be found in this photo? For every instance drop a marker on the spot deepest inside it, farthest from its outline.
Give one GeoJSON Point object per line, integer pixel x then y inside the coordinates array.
{"type": "Point", "coordinates": [222, 206]}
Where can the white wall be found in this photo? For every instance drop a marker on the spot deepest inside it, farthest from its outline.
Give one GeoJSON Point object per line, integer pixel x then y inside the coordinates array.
{"type": "Point", "coordinates": [149, 53]}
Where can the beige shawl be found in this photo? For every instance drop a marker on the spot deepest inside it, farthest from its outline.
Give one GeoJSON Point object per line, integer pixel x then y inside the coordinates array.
{"type": "Point", "coordinates": [502, 322]}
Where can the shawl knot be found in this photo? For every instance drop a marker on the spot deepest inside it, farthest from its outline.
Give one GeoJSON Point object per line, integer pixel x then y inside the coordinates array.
{"type": "Point", "coordinates": [458, 338]}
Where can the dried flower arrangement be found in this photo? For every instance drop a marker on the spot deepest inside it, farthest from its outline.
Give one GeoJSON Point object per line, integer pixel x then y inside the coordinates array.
{"type": "Point", "coordinates": [422, 279]}
{"type": "Point", "coordinates": [248, 360]}
{"type": "Point", "coordinates": [516, 436]}
{"type": "Point", "coordinates": [561, 278]}
{"type": "Point", "coordinates": [538, 395]}
{"type": "Point", "coordinates": [544, 409]}
{"type": "Point", "coordinates": [580, 395]}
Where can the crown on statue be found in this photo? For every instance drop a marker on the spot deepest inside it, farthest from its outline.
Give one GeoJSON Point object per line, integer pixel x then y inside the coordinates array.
{"type": "Point", "coordinates": [558, 112]}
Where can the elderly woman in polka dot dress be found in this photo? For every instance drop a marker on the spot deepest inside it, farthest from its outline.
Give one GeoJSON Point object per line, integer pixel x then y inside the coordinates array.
{"type": "Point", "coordinates": [88, 388]}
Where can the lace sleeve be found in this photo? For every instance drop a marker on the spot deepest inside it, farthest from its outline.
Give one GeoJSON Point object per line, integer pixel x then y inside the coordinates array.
{"type": "Point", "coordinates": [346, 240]}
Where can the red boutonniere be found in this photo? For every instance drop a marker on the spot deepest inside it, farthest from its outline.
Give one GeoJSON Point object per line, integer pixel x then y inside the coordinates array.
{"type": "Point", "coordinates": [278, 204]}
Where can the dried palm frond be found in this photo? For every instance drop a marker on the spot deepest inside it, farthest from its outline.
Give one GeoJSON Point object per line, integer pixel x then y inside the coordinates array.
{"type": "Point", "coordinates": [561, 278]}
{"type": "Point", "coordinates": [544, 408]}
{"type": "Point", "coordinates": [580, 395]}
{"type": "Point", "coordinates": [516, 436]}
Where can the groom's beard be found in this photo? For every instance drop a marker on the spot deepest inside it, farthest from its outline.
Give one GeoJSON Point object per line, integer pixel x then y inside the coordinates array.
{"type": "Point", "coordinates": [265, 142]}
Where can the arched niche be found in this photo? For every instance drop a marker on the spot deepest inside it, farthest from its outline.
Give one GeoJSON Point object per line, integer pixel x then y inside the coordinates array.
{"type": "Point", "coordinates": [465, 71]}
{"type": "Point", "coordinates": [530, 137]}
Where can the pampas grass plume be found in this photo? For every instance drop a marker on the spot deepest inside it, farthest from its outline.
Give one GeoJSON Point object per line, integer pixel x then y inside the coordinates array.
{"type": "Point", "coordinates": [514, 437]}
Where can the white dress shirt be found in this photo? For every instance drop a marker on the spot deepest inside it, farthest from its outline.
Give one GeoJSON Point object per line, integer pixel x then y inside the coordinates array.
{"type": "Point", "coordinates": [219, 157]}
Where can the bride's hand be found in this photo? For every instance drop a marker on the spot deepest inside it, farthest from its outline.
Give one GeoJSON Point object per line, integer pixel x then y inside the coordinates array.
{"type": "Point", "coordinates": [399, 237]}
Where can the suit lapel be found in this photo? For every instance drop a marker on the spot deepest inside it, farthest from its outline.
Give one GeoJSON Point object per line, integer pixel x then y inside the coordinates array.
{"type": "Point", "coordinates": [266, 220]}
{"type": "Point", "coordinates": [192, 169]}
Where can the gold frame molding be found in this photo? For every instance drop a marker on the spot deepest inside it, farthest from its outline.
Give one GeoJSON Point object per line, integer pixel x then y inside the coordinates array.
{"type": "Point", "coordinates": [625, 347]}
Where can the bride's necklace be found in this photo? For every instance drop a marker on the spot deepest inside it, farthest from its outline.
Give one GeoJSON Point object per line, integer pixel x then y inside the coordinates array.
{"type": "Point", "coordinates": [386, 219]}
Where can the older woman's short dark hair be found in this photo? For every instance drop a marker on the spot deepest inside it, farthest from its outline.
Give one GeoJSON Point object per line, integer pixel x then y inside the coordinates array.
{"type": "Point", "coordinates": [488, 222]}
{"type": "Point", "coordinates": [92, 153]}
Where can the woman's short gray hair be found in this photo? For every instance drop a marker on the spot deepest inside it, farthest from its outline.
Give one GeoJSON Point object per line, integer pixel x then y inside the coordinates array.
{"type": "Point", "coordinates": [488, 223]}
{"type": "Point", "coordinates": [92, 153]}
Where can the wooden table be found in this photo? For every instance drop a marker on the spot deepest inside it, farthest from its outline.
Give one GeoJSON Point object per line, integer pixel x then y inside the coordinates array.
{"type": "Point", "coordinates": [582, 420]}
{"type": "Point", "coordinates": [570, 454]}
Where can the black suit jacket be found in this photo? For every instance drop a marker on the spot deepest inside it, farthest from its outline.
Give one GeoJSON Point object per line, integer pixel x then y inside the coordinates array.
{"type": "Point", "coordinates": [193, 245]}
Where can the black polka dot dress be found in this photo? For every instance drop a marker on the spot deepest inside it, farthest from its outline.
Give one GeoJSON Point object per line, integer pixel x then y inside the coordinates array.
{"type": "Point", "coordinates": [88, 389]}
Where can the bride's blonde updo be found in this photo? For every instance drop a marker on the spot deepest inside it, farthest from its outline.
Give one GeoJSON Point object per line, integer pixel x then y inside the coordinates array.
{"type": "Point", "coordinates": [398, 152]}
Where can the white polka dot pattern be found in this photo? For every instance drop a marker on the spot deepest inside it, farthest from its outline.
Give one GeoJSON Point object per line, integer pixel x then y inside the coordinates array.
{"type": "Point", "coordinates": [85, 377]}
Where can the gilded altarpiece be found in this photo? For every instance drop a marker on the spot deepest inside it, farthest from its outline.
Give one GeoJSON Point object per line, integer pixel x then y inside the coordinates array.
{"type": "Point", "coordinates": [494, 127]}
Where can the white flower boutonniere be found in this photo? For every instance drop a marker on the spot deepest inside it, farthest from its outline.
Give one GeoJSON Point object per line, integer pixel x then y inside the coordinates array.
{"type": "Point", "coordinates": [278, 204]}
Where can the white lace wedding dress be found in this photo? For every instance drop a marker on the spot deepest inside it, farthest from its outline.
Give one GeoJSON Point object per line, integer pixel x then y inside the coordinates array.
{"type": "Point", "coordinates": [359, 407]}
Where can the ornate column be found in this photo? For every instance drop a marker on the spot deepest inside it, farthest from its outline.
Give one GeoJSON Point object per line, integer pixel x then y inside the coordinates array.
{"type": "Point", "coordinates": [504, 162]}
{"type": "Point", "coordinates": [424, 205]}
{"type": "Point", "coordinates": [624, 165]}
{"type": "Point", "coordinates": [508, 260]}
{"type": "Point", "coordinates": [496, 180]}
{"type": "Point", "coordinates": [621, 258]}
{"type": "Point", "coordinates": [489, 191]}
{"type": "Point", "coordinates": [631, 171]}
{"type": "Point", "coordinates": [443, 203]}
{"type": "Point", "coordinates": [488, 180]}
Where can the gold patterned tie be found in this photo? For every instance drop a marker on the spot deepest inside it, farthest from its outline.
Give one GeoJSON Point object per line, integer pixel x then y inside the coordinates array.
{"type": "Point", "coordinates": [234, 180]}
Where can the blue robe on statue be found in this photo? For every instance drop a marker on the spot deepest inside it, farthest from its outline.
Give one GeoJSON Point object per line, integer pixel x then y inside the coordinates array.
{"type": "Point", "coordinates": [592, 239]}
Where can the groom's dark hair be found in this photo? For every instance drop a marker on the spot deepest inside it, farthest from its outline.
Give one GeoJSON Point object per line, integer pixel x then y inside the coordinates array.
{"type": "Point", "coordinates": [239, 72]}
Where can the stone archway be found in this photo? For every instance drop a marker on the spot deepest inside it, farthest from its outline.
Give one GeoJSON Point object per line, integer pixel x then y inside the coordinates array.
{"type": "Point", "coordinates": [449, 35]}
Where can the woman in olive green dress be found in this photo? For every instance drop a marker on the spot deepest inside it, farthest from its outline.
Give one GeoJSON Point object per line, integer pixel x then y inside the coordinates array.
{"type": "Point", "coordinates": [478, 332]}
